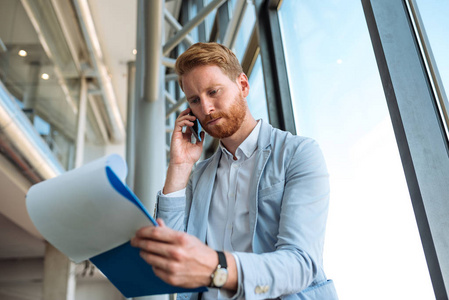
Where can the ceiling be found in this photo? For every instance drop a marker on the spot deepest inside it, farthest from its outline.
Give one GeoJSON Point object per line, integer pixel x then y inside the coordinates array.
{"type": "Point", "coordinates": [115, 25]}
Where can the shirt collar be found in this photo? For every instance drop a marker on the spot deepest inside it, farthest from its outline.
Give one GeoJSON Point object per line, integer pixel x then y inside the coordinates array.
{"type": "Point", "coordinates": [248, 146]}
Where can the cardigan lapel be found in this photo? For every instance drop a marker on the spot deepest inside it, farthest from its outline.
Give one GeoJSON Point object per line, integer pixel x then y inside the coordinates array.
{"type": "Point", "coordinates": [262, 158]}
{"type": "Point", "coordinates": [263, 153]}
{"type": "Point", "coordinates": [201, 198]}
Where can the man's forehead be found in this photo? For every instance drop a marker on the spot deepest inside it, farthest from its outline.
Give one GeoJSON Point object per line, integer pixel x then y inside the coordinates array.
{"type": "Point", "coordinates": [205, 69]}
{"type": "Point", "coordinates": [202, 77]}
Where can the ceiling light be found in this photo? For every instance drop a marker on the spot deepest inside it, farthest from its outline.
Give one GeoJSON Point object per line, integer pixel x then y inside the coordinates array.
{"type": "Point", "coordinates": [45, 76]}
{"type": "Point", "coordinates": [134, 51]}
{"type": "Point", "coordinates": [339, 61]}
{"type": "Point", "coordinates": [23, 53]}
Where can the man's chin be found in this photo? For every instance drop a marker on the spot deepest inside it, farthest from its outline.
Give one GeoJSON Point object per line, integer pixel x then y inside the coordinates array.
{"type": "Point", "coordinates": [219, 134]}
{"type": "Point", "coordinates": [215, 135]}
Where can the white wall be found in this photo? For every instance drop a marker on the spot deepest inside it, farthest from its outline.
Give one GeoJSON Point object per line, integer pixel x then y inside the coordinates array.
{"type": "Point", "coordinates": [96, 290]}
{"type": "Point", "coordinates": [92, 152]}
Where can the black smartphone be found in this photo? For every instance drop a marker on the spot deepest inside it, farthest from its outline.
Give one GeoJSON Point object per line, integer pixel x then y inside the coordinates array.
{"type": "Point", "coordinates": [196, 128]}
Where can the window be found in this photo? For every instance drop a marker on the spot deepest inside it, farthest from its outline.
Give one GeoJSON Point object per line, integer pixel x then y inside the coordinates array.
{"type": "Point", "coordinates": [257, 99]}
{"type": "Point", "coordinates": [372, 246]}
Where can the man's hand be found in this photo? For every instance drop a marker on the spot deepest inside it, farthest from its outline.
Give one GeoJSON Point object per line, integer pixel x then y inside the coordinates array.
{"type": "Point", "coordinates": [183, 154]}
{"type": "Point", "coordinates": [182, 151]}
{"type": "Point", "coordinates": [177, 258]}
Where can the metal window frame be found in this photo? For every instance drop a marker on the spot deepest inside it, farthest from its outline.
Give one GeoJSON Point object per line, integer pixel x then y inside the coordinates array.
{"type": "Point", "coordinates": [279, 101]}
{"type": "Point", "coordinates": [418, 128]}
{"type": "Point", "coordinates": [251, 53]}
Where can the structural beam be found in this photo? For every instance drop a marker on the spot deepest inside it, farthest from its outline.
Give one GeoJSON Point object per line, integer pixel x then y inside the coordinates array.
{"type": "Point", "coordinates": [235, 22]}
{"type": "Point", "coordinates": [170, 77]}
{"type": "Point", "coordinates": [277, 87]}
{"type": "Point", "coordinates": [149, 48]}
{"type": "Point", "coordinates": [149, 113]}
{"type": "Point", "coordinates": [97, 118]}
{"type": "Point", "coordinates": [81, 124]}
{"type": "Point", "coordinates": [418, 128]}
{"type": "Point", "coordinates": [431, 64]}
{"type": "Point", "coordinates": [29, 96]}
{"type": "Point", "coordinates": [179, 36]}
{"type": "Point", "coordinates": [174, 23]}
{"type": "Point", "coordinates": [251, 53]}
{"type": "Point", "coordinates": [59, 275]}
{"type": "Point", "coordinates": [169, 98]}
{"type": "Point", "coordinates": [117, 130]}
{"type": "Point", "coordinates": [176, 107]}
{"type": "Point", "coordinates": [169, 62]}
{"type": "Point", "coordinates": [131, 125]}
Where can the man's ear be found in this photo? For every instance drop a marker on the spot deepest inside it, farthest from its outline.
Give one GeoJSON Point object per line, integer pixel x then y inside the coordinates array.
{"type": "Point", "coordinates": [243, 82]}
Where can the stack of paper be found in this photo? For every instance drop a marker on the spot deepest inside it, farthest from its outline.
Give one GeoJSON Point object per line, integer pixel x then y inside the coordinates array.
{"type": "Point", "coordinates": [89, 213]}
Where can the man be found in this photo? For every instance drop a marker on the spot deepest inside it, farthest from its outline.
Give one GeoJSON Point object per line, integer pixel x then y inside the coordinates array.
{"type": "Point", "coordinates": [248, 222]}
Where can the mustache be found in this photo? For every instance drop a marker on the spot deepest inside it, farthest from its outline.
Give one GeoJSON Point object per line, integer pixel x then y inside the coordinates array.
{"type": "Point", "coordinates": [214, 116]}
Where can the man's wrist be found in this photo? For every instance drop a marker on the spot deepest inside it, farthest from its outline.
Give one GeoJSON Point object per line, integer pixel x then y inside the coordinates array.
{"type": "Point", "coordinates": [177, 177]}
{"type": "Point", "coordinates": [181, 166]}
{"type": "Point", "coordinates": [220, 275]}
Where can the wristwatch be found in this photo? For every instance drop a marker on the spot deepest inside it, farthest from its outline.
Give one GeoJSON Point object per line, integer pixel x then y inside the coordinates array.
{"type": "Point", "coordinates": [220, 275]}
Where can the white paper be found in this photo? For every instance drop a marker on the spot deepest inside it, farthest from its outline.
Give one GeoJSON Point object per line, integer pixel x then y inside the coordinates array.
{"type": "Point", "coordinates": [81, 213]}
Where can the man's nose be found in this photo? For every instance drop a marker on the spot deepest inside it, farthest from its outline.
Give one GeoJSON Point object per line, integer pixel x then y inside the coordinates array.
{"type": "Point", "coordinates": [207, 106]}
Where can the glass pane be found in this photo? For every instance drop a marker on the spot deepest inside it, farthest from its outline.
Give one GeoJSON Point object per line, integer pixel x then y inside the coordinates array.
{"type": "Point", "coordinates": [372, 250]}
{"type": "Point", "coordinates": [257, 102]}
{"type": "Point", "coordinates": [244, 34]}
{"type": "Point", "coordinates": [34, 79]}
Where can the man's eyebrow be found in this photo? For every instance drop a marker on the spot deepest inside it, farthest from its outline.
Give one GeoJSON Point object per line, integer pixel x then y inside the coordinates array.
{"type": "Point", "coordinates": [191, 97]}
{"type": "Point", "coordinates": [214, 86]}
{"type": "Point", "coordinates": [208, 88]}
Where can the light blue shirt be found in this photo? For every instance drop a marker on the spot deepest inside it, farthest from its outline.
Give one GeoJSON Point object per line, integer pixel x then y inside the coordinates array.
{"type": "Point", "coordinates": [228, 222]}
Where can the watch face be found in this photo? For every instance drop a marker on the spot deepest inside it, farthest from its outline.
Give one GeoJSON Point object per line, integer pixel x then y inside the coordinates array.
{"type": "Point", "coordinates": [220, 277]}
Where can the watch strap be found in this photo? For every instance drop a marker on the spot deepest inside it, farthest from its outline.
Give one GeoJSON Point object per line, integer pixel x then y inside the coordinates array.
{"type": "Point", "coordinates": [220, 275]}
{"type": "Point", "coordinates": [222, 260]}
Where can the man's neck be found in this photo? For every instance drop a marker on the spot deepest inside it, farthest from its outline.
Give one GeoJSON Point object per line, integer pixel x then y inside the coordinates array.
{"type": "Point", "coordinates": [233, 142]}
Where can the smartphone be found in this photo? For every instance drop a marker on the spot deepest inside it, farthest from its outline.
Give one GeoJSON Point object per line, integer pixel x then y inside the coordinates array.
{"type": "Point", "coordinates": [196, 128]}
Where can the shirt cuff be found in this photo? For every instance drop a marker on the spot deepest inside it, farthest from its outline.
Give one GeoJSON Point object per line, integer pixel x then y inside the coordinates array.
{"type": "Point", "coordinates": [239, 293]}
{"type": "Point", "coordinates": [180, 193]}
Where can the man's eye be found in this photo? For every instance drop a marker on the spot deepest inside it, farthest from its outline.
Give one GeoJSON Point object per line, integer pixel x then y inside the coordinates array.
{"type": "Point", "coordinates": [195, 100]}
{"type": "Point", "coordinates": [213, 92]}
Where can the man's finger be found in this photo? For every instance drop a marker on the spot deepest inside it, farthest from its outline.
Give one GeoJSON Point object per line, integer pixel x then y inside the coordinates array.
{"type": "Point", "coordinates": [160, 249]}
{"type": "Point", "coordinates": [156, 261]}
{"type": "Point", "coordinates": [160, 222]}
{"type": "Point", "coordinates": [159, 233]}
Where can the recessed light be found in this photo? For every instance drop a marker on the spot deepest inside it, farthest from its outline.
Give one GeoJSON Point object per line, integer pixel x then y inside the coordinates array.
{"type": "Point", "coordinates": [134, 51]}
{"type": "Point", "coordinates": [23, 53]}
{"type": "Point", "coordinates": [45, 76]}
{"type": "Point", "coordinates": [339, 61]}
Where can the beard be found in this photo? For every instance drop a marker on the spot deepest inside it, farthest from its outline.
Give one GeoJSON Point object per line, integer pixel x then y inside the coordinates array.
{"type": "Point", "coordinates": [231, 120]}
